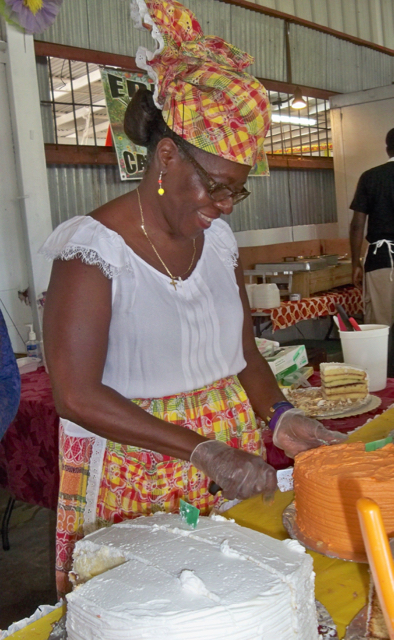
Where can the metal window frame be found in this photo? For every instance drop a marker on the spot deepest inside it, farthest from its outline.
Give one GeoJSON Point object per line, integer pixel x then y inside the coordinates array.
{"type": "Point", "coordinates": [57, 153]}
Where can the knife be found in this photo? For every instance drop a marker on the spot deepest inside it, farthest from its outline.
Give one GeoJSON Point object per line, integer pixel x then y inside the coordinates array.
{"type": "Point", "coordinates": [284, 478]}
{"type": "Point", "coordinates": [345, 318]}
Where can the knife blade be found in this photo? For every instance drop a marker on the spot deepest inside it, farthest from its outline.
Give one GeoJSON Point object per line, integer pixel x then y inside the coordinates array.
{"type": "Point", "coordinates": [284, 478]}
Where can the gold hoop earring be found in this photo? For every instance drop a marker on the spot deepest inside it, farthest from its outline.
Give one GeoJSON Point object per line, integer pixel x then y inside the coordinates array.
{"type": "Point", "coordinates": [160, 190]}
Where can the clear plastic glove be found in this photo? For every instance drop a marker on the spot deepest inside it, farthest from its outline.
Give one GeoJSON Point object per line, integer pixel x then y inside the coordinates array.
{"type": "Point", "coordinates": [295, 432]}
{"type": "Point", "coordinates": [238, 473]}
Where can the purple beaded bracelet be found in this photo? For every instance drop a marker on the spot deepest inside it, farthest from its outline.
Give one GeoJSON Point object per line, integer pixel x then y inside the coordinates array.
{"type": "Point", "coordinates": [279, 408]}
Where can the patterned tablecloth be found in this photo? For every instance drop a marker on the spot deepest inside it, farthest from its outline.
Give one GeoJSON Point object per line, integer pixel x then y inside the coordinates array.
{"type": "Point", "coordinates": [29, 448]}
{"type": "Point", "coordinates": [279, 460]}
{"type": "Point", "coordinates": [290, 313]}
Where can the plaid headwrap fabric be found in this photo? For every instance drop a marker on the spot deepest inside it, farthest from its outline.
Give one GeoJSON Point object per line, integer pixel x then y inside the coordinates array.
{"type": "Point", "coordinates": [200, 84]}
{"type": "Point", "coordinates": [134, 482]}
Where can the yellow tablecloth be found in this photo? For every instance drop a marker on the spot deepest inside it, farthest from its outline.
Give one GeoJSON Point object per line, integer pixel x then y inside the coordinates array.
{"type": "Point", "coordinates": [342, 587]}
{"type": "Point", "coordinates": [41, 629]}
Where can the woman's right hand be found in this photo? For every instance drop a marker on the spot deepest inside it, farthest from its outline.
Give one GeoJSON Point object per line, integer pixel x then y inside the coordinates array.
{"type": "Point", "coordinates": [238, 473]}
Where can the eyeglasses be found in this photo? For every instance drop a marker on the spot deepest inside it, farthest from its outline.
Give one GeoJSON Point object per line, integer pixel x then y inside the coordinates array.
{"type": "Point", "coordinates": [216, 190]}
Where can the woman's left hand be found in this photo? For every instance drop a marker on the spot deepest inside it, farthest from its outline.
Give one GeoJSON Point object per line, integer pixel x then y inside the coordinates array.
{"type": "Point", "coordinates": [295, 432]}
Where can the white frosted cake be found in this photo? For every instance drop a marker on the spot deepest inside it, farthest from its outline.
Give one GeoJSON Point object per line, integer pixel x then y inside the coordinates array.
{"type": "Point", "coordinates": [218, 581]}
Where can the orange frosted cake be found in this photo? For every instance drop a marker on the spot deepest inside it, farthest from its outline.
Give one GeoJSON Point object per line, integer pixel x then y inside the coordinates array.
{"type": "Point", "coordinates": [327, 483]}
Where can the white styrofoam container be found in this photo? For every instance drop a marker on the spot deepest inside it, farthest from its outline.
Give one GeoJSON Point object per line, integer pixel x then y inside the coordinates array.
{"type": "Point", "coordinates": [26, 365]}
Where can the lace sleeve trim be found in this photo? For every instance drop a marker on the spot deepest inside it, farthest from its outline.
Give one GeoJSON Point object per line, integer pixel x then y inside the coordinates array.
{"type": "Point", "coordinates": [93, 485]}
{"type": "Point", "coordinates": [224, 241]}
{"type": "Point", "coordinates": [231, 259]}
{"type": "Point", "coordinates": [90, 257]}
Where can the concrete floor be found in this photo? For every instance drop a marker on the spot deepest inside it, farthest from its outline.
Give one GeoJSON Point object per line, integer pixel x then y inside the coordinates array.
{"type": "Point", "coordinates": [27, 570]}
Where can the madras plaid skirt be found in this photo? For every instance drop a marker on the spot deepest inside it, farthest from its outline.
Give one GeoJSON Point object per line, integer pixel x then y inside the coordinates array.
{"type": "Point", "coordinates": [104, 482]}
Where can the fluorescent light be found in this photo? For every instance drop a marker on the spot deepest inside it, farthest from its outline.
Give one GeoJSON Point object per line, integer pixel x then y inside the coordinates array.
{"type": "Point", "coordinates": [292, 120]}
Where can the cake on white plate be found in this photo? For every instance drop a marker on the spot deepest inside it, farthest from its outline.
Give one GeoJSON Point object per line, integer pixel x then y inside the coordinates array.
{"type": "Point", "coordinates": [170, 582]}
{"type": "Point", "coordinates": [343, 387]}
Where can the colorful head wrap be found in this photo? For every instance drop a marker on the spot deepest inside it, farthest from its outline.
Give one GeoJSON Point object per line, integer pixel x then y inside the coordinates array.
{"type": "Point", "coordinates": [201, 87]}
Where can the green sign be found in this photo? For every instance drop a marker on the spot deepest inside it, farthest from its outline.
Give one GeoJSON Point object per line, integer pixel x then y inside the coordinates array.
{"type": "Point", "coordinates": [119, 88]}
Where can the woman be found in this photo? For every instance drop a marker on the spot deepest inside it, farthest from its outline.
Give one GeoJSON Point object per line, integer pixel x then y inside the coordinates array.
{"type": "Point", "coordinates": [147, 302]}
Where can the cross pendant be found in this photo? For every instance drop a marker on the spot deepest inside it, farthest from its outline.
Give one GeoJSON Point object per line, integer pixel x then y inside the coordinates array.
{"type": "Point", "coordinates": [173, 282]}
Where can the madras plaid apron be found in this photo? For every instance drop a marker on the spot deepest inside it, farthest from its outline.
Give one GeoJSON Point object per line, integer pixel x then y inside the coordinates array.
{"type": "Point", "coordinates": [129, 482]}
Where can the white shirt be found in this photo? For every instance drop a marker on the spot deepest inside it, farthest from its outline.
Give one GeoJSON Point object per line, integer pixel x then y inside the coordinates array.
{"type": "Point", "coordinates": [162, 341]}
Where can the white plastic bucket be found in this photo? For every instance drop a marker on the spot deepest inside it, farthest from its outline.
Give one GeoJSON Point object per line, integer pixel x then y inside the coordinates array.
{"type": "Point", "coordinates": [266, 296]}
{"type": "Point", "coordinates": [368, 349]}
{"type": "Point", "coordinates": [249, 290]}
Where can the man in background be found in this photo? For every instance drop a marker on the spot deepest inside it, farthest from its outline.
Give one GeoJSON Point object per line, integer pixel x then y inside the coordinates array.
{"type": "Point", "coordinates": [374, 198]}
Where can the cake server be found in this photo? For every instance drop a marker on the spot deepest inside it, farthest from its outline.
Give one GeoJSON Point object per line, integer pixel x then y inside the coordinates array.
{"type": "Point", "coordinates": [284, 478]}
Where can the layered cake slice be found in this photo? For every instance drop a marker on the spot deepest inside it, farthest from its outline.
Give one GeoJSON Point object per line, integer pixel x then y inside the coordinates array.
{"type": "Point", "coordinates": [376, 626]}
{"type": "Point", "coordinates": [343, 381]}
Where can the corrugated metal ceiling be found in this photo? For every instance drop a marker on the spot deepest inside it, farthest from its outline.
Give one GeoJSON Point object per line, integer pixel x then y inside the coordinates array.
{"type": "Point", "coordinates": [371, 20]}
{"type": "Point", "coordinates": [287, 198]}
{"type": "Point", "coordinates": [107, 26]}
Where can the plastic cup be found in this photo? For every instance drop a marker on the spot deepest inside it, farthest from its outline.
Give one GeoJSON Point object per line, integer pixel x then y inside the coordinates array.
{"type": "Point", "coordinates": [368, 349]}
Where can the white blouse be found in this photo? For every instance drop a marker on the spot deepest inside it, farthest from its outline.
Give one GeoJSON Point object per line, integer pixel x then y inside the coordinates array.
{"type": "Point", "coordinates": [162, 341]}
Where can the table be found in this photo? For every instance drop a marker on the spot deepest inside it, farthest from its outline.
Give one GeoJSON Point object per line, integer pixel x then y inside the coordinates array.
{"type": "Point", "coordinates": [277, 458]}
{"type": "Point", "coordinates": [342, 587]}
{"type": "Point", "coordinates": [289, 313]}
{"type": "Point", "coordinates": [29, 449]}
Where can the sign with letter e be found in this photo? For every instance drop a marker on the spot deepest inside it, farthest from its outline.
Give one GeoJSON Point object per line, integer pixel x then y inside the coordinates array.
{"type": "Point", "coordinates": [119, 88]}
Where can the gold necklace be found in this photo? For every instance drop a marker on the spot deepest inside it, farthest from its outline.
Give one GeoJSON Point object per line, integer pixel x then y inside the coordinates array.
{"type": "Point", "coordinates": [174, 279]}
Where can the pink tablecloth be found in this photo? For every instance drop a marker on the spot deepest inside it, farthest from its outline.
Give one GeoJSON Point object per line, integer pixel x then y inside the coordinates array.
{"type": "Point", "coordinates": [277, 458]}
{"type": "Point", "coordinates": [29, 448]}
{"type": "Point", "coordinates": [290, 313]}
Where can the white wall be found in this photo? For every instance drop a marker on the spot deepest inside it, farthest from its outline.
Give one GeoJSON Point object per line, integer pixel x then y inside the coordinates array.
{"type": "Point", "coordinates": [13, 268]}
{"type": "Point", "coordinates": [359, 124]}
{"type": "Point", "coordinates": [25, 216]}
{"type": "Point", "coordinates": [262, 237]}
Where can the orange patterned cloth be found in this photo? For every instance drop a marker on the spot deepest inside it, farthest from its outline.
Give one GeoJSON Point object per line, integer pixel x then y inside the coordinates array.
{"type": "Point", "coordinates": [290, 313]}
{"type": "Point", "coordinates": [132, 481]}
{"type": "Point", "coordinates": [200, 84]}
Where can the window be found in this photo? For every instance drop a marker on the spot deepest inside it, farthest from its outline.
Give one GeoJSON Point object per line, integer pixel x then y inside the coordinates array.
{"type": "Point", "coordinates": [77, 104]}
{"type": "Point", "coordinates": [76, 113]}
{"type": "Point", "coordinates": [306, 132]}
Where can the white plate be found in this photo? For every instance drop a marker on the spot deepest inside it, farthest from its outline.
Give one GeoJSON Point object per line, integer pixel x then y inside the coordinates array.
{"type": "Point", "coordinates": [299, 396]}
